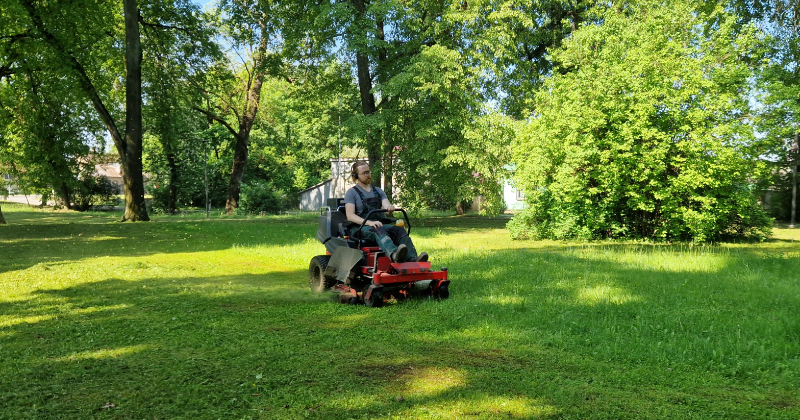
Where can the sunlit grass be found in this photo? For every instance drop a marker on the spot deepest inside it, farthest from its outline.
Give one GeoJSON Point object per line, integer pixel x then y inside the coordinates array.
{"type": "Point", "coordinates": [184, 317]}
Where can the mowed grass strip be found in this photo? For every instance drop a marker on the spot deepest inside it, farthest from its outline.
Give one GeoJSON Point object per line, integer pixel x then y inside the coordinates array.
{"type": "Point", "coordinates": [183, 318]}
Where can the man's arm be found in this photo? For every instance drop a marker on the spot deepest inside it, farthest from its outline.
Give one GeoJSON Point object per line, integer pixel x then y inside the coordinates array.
{"type": "Point", "coordinates": [350, 211]}
{"type": "Point", "coordinates": [388, 206]}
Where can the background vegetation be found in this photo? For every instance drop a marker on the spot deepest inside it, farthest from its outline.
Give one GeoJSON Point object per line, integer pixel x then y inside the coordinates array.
{"type": "Point", "coordinates": [672, 120]}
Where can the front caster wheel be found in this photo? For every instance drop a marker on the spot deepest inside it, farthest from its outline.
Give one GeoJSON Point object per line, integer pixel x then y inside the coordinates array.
{"type": "Point", "coordinates": [375, 300]}
{"type": "Point", "coordinates": [443, 292]}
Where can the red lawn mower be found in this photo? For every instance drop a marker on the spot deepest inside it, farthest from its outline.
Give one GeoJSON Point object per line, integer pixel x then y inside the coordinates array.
{"type": "Point", "coordinates": [360, 272]}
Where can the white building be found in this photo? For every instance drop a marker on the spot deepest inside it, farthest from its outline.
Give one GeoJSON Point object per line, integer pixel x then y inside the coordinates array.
{"type": "Point", "coordinates": [314, 197]}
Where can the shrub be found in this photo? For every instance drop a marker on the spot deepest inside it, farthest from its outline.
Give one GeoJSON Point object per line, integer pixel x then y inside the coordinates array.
{"type": "Point", "coordinates": [259, 197]}
{"type": "Point", "coordinates": [95, 191]}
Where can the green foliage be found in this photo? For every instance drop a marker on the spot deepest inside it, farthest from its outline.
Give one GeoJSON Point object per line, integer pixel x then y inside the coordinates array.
{"type": "Point", "coordinates": [510, 39]}
{"type": "Point", "coordinates": [643, 133]}
{"type": "Point", "coordinates": [96, 192]}
{"type": "Point", "coordinates": [778, 116]}
{"type": "Point", "coordinates": [260, 197]}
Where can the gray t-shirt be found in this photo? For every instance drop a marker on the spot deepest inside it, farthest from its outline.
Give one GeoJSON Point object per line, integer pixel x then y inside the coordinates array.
{"type": "Point", "coordinates": [352, 197]}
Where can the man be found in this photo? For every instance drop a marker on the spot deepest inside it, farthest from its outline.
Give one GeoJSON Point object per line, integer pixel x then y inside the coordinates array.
{"type": "Point", "coordinates": [363, 197]}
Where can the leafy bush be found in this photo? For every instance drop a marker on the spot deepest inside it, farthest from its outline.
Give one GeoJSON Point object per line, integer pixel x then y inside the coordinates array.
{"type": "Point", "coordinates": [95, 191]}
{"type": "Point", "coordinates": [639, 134]}
{"type": "Point", "coordinates": [259, 197]}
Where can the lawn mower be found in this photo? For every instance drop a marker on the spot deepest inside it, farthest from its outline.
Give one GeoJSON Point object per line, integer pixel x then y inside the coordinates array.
{"type": "Point", "coordinates": [360, 272]}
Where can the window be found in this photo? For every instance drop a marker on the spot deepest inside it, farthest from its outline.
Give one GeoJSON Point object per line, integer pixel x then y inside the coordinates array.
{"type": "Point", "coordinates": [520, 196]}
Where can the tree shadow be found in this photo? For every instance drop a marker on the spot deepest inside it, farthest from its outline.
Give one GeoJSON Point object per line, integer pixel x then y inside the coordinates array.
{"type": "Point", "coordinates": [25, 246]}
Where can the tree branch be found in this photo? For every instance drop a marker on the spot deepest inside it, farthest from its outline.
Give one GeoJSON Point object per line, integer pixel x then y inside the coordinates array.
{"type": "Point", "coordinates": [160, 26]}
{"type": "Point", "coordinates": [84, 81]}
{"type": "Point", "coordinates": [216, 118]}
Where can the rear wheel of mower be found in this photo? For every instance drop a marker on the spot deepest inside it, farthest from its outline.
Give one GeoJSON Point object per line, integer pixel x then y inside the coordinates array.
{"type": "Point", "coordinates": [316, 274]}
{"type": "Point", "coordinates": [443, 292]}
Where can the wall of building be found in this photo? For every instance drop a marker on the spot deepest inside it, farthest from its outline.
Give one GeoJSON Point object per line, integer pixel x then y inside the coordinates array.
{"type": "Point", "coordinates": [315, 197]}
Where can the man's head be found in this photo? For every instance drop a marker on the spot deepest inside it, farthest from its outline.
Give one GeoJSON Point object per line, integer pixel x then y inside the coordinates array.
{"type": "Point", "coordinates": [361, 172]}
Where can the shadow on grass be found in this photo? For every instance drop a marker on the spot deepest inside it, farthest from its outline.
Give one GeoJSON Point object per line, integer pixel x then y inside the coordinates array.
{"type": "Point", "coordinates": [531, 333]}
{"type": "Point", "coordinates": [31, 244]}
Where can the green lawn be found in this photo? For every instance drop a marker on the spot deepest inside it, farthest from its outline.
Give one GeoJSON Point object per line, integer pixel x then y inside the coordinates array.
{"type": "Point", "coordinates": [184, 318]}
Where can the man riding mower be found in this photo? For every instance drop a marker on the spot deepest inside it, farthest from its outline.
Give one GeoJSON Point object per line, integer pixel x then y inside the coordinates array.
{"type": "Point", "coordinates": [368, 259]}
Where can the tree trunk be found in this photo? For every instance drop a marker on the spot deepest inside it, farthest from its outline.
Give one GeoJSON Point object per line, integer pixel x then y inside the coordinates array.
{"type": "Point", "coordinates": [240, 152]}
{"type": "Point", "coordinates": [367, 98]}
{"type": "Point", "coordinates": [172, 201]}
{"type": "Point", "coordinates": [2, 219]}
{"type": "Point", "coordinates": [66, 195]}
{"type": "Point", "coordinates": [237, 173]}
{"type": "Point", "coordinates": [388, 184]}
{"type": "Point", "coordinates": [131, 157]}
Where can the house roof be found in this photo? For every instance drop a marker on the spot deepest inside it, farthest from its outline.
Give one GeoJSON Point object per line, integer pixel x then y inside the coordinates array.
{"type": "Point", "coordinates": [316, 186]}
{"type": "Point", "coordinates": [111, 170]}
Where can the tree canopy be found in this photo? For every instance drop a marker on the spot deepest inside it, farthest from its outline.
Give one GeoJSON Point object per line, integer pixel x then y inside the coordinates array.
{"type": "Point", "coordinates": [644, 132]}
{"type": "Point", "coordinates": [616, 119]}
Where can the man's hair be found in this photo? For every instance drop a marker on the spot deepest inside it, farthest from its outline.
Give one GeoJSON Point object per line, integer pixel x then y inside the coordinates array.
{"type": "Point", "coordinates": [354, 168]}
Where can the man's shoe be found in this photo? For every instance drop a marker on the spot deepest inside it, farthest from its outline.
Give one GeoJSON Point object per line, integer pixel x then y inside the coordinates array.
{"type": "Point", "coordinates": [423, 257]}
{"type": "Point", "coordinates": [399, 255]}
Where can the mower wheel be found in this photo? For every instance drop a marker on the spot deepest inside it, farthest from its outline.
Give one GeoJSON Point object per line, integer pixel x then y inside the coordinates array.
{"type": "Point", "coordinates": [316, 274]}
{"type": "Point", "coordinates": [443, 292]}
{"type": "Point", "coordinates": [375, 300]}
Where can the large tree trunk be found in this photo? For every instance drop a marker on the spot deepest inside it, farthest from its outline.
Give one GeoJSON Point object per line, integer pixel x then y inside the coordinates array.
{"type": "Point", "coordinates": [367, 98]}
{"type": "Point", "coordinates": [65, 194]}
{"type": "Point", "coordinates": [237, 173]}
{"type": "Point", "coordinates": [2, 219]}
{"type": "Point", "coordinates": [243, 137]}
{"type": "Point", "coordinates": [172, 201]}
{"type": "Point", "coordinates": [131, 157]}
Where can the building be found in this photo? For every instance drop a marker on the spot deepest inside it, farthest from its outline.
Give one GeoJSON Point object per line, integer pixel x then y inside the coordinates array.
{"type": "Point", "coordinates": [315, 197]}
{"type": "Point", "coordinates": [112, 171]}
{"type": "Point", "coordinates": [7, 186]}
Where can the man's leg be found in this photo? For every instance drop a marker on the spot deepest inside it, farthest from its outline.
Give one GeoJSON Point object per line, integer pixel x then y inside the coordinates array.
{"type": "Point", "coordinates": [384, 241]}
{"type": "Point", "coordinates": [400, 237]}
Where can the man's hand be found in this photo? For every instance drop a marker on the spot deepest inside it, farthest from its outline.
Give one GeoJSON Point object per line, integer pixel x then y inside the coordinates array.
{"type": "Point", "coordinates": [390, 209]}
{"type": "Point", "coordinates": [374, 223]}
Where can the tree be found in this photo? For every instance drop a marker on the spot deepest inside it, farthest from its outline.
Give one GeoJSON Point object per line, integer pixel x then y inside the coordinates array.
{"type": "Point", "coordinates": [175, 57]}
{"type": "Point", "coordinates": [643, 131]}
{"type": "Point", "coordinates": [68, 36]}
{"type": "Point", "coordinates": [510, 40]}
{"type": "Point", "coordinates": [45, 134]}
{"type": "Point", "coordinates": [2, 219]}
{"type": "Point", "coordinates": [264, 36]}
{"type": "Point", "coordinates": [779, 117]}
{"type": "Point", "coordinates": [418, 75]}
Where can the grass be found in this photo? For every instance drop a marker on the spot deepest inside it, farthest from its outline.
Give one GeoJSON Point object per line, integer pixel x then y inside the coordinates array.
{"type": "Point", "coordinates": [183, 318]}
